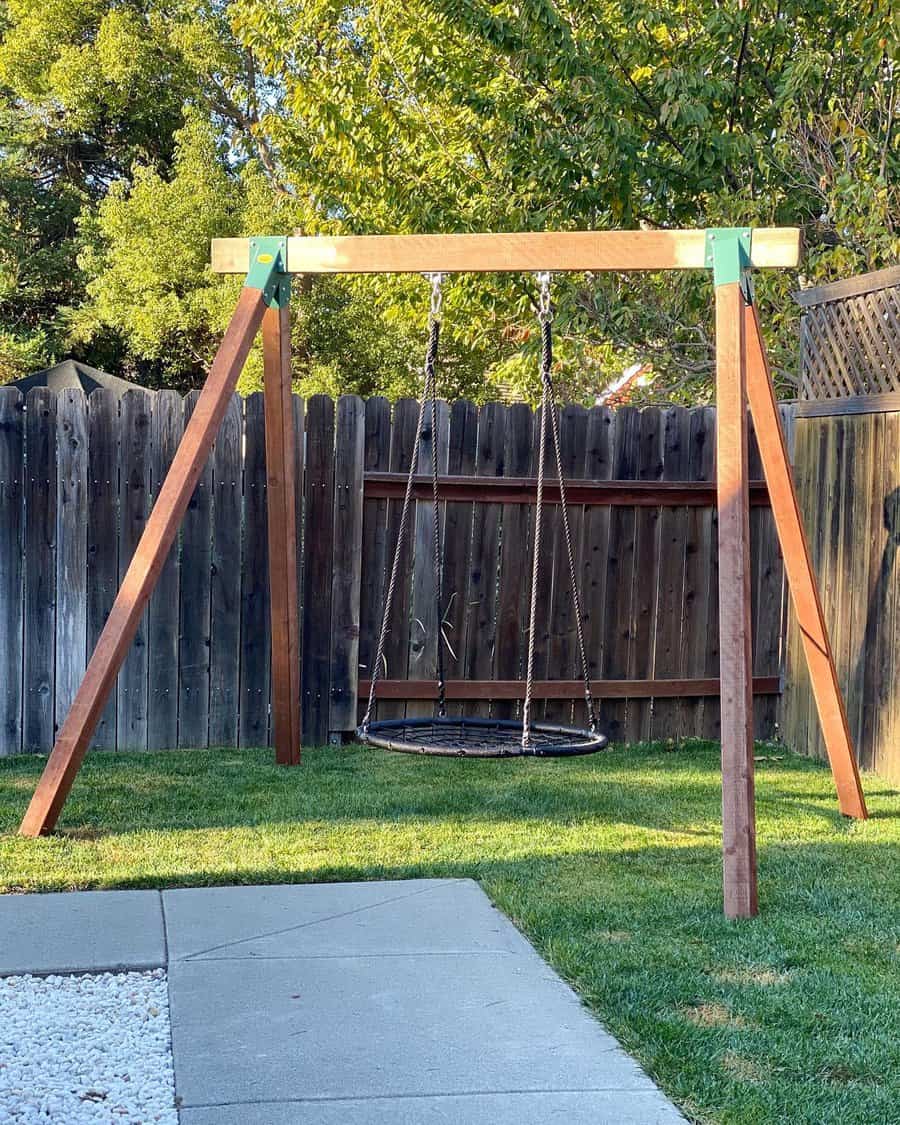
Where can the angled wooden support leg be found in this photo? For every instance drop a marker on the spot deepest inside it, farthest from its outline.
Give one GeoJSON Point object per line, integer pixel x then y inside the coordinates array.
{"type": "Point", "coordinates": [800, 575]}
{"type": "Point", "coordinates": [280, 499]}
{"type": "Point", "coordinates": [141, 576]}
{"type": "Point", "coordinates": [735, 660]}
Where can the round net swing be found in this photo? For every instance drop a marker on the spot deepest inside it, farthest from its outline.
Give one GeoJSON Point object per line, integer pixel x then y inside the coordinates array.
{"type": "Point", "coordinates": [478, 736]}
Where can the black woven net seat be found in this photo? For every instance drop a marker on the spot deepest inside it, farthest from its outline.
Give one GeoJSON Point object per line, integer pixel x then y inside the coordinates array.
{"type": "Point", "coordinates": [458, 737]}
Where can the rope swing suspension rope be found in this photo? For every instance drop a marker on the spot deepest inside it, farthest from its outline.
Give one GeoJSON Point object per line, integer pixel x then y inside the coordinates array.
{"type": "Point", "coordinates": [479, 736]}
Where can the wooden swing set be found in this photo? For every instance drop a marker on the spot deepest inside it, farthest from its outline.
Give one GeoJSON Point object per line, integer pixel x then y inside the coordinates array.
{"type": "Point", "coordinates": [742, 378]}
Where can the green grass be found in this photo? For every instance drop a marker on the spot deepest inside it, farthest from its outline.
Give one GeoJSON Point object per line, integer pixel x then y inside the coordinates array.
{"type": "Point", "coordinates": [610, 864]}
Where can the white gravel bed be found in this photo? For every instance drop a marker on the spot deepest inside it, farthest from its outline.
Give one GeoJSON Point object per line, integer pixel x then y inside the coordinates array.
{"type": "Point", "coordinates": [86, 1050]}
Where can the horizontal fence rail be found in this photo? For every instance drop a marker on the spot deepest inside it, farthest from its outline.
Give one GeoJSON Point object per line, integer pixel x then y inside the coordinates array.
{"type": "Point", "coordinates": [509, 490]}
{"type": "Point", "coordinates": [78, 477]}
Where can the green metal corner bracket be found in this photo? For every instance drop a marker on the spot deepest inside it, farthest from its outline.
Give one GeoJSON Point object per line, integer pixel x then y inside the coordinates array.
{"type": "Point", "coordinates": [728, 252]}
{"type": "Point", "coordinates": [268, 266]}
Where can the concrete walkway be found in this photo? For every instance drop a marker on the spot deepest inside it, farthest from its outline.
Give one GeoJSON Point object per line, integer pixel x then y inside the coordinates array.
{"type": "Point", "coordinates": [404, 1003]}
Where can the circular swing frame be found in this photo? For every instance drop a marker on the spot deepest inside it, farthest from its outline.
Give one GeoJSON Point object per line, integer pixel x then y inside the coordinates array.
{"type": "Point", "coordinates": [479, 736]}
{"type": "Point", "coordinates": [450, 736]}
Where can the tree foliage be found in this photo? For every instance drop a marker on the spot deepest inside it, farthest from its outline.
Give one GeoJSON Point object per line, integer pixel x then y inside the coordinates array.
{"type": "Point", "coordinates": [141, 129]}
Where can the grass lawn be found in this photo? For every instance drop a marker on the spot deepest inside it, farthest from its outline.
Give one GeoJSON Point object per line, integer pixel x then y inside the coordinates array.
{"type": "Point", "coordinates": [609, 864]}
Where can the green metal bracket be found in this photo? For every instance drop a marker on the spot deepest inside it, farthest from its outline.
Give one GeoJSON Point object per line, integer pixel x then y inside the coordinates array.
{"type": "Point", "coordinates": [268, 265]}
{"type": "Point", "coordinates": [728, 252]}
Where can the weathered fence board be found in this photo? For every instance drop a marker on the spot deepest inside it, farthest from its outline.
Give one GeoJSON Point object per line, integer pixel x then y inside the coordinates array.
{"type": "Point", "coordinates": [319, 566]}
{"type": "Point", "coordinates": [12, 514]}
{"type": "Point", "coordinates": [372, 581]}
{"type": "Point", "coordinates": [40, 568]}
{"type": "Point", "coordinates": [513, 594]}
{"type": "Point", "coordinates": [458, 516]}
{"type": "Point", "coordinates": [134, 505]}
{"type": "Point", "coordinates": [225, 581]}
{"type": "Point", "coordinates": [196, 539]}
{"type": "Point", "coordinates": [396, 649]}
{"type": "Point", "coordinates": [347, 562]}
{"type": "Point", "coordinates": [163, 611]}
{"type": "Point", "coordinates": [71, 548]}
{"type": "Point", "coordinates": [255, 649]}
{"type": "Point", "coordinates": [103, 539]}
{"type": "Point", "coordinates": [645, 581]}
{"type": "Point", "coordinates": [670, 570]}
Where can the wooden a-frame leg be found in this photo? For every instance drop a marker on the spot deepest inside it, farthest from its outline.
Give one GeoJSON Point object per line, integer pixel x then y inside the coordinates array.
{"type": "Point", "coordinates": [735, 660]}
{"type": "Point", "coordinates": [282, 523]}
{"type": "Point", "coordinates": [143, 571]}
{"type": "Point", "coordinates": [800, 575]}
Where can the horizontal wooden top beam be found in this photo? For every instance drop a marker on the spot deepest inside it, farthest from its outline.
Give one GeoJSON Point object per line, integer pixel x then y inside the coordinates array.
{"type": "Point", "coordinates": [772, 247]}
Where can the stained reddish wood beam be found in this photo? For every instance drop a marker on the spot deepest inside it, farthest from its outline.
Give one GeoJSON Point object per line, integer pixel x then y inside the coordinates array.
{"type": "Point", "coordinates": [523, 490]}
{"type": "Point", "coordinates": [735, 658]}
{"type": "Point", "coordinates": [282, 531]}
{"type": "Point", "coordinates": [559, 689]}
{"type": "Point", "coordinates": [143, 571]}
{"type": "Point", "coordinates": [800, 574]}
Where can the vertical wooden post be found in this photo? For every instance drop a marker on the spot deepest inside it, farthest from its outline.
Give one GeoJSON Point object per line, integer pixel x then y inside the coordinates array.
{"type": "Point", "coordinates": [799, 571]}
{"type": "Point", "coordinates": [282, 524]}
{"type": "Point", "coordinates": [141, 576]}
{"type": "Point", "coordinates": [735, 661]}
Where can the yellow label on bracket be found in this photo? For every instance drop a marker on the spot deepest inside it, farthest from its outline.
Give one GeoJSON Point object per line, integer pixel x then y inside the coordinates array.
{"type": "Point", "coordinates": [264, 258]}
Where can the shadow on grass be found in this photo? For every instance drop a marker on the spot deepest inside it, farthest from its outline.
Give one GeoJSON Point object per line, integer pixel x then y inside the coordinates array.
{"type": "Point", "coordinates": [646, 788]}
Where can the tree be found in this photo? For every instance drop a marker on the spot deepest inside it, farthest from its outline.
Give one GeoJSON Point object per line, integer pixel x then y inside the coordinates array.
{"type": "Point", "coordinates": [462, 115]}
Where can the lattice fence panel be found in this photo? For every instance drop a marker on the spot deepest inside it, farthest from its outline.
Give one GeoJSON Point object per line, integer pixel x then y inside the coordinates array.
{"type": "Point", "coordinates": [850, 337]}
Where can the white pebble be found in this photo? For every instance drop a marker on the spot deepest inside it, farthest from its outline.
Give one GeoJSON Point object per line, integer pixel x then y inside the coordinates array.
{"type": "Point", "coordinates": [86, 1050]}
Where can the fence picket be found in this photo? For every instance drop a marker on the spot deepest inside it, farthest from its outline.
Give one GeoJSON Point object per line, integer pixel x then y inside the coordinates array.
{"type": "Point", "coordinates": [673, 531]}
{"type": "Point", "coordinates": [646, 577]}
{"type": "Point", "coordinates": [347, 562]}
{"type": "Point", "coordinates": [12, 515]}
{"type": "Point", "coordinates": [253, 720]}
{"type": "Point", "coordinates": [225, 581]}
{"type": "Point", "coordinates": [71, 547]}
{"type": "Point", "coordinates": [134, 505]}
{"type": "Point", "coordinates": [196, 539]}
{"type": "Point", "coordinates": [163, 613]}
{"type": "Point", "coordinates": [103, 538]}
{"type": "Point", "coordinates": [40, 569]}
{"type": "Point", "coordinates": [515, 550]}
{"type": "Point", "coordinates": [481, 587]}
{"type": "Point", "coordinates": [316, 673]}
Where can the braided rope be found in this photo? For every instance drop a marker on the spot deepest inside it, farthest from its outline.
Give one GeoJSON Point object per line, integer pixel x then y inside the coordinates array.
{"type": "Point", "coordinates": [431, 353]}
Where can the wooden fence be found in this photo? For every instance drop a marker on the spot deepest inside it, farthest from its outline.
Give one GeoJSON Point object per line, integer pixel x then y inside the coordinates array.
{"type": "Point", "coordinates": [848, 478]}
{"type": "Point", "coordinates": [78, 476]}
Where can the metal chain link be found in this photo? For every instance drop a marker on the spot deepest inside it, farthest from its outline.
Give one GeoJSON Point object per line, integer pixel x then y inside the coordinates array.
{"type": "Point", "coordinates": [428, 391]}
{"type": "Point", "coordinates": [548, 408]}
